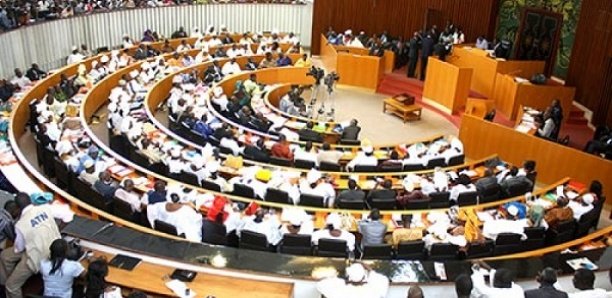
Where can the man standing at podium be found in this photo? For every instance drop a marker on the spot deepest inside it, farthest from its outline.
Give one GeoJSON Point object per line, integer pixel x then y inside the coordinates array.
{"type": "Point", "coordinates": [413, 54]}
{"type": "Point", "coordinates": [426, 51]}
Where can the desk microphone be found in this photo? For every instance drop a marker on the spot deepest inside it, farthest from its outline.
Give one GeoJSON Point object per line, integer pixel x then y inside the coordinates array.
{"type": "Point", "coordinates": [102, 229]}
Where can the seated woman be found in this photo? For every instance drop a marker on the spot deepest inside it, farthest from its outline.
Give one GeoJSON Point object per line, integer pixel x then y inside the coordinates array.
{"type": "Point", "coordinates": [184, 218]}
{"type": "Point", "coordinates": [58, 272]}
{"type": "Point", "coordinates": [559, 213]}
{"type": "Point", "coordinates": [406, 232]}
{"type": "Point", "coordinates": [96, 285]}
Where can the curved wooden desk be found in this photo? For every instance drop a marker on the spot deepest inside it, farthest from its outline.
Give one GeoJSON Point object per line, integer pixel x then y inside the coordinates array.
{"type": "Point", "coordinates": [19, 117]}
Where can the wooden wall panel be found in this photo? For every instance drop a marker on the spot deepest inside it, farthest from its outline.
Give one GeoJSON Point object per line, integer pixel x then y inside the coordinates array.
{"type": "Point", "coordinates": [589, 68]}
{"type": "Point", "coordinates": [403, 17]}
{"type": "Point", "coordinates": [481, 138]}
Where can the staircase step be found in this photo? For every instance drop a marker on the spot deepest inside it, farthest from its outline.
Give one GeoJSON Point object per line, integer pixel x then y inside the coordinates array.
{"type": "Point", "coordinates": [576, 114]}
{"type": "Point", "coordinates": [577, 121]}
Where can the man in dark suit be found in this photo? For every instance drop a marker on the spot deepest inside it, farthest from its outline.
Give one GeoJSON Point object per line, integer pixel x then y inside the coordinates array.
{"type": "Point", "coordinates": [351, 132]}
{"type": "Point", "coordinates": [426, 51]}
{"type": "Point", "coordinates": [547, 278]}
{"type": "Point", "coordinates": [352, 194]}
{"type": "Point", "coordinates": [413, 54]}
{"type": "Point", "coordinates": [257, 152]}
{"type": "Point", "coordinates": [486, 182]}
{"type": "Point", "coordinates": [386, 193]}
{"type": "Point", "coordinates": [308, 134]}
{"type": "Point", "coordinates": [141, 53]}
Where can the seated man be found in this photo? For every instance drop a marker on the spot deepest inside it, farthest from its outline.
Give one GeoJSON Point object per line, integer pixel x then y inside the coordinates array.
{"type": "Point", "coordinates": [372, 229]}
{"type": "Point", "coordinates": [105, 186]}
{"type": "Point", "coordinates": [464, 184]}
{"type": "Point", "coordinates": [351, 132]}
{"type": "Point", "coordinates": [486, 182]}
{"type": "Point", "coordinates": [360, 281]}
{"type": "Point", "coordinates": [257, 151]}
{"type": "Point", "coordinates": [305, 154]}
{"type": "Point", "coordinates": [267, 226]}
{"type": "Point", "coordinates": [584, 281]}
{"type": "Point", "coordinates": [581, 205]}
{"type": "Point", "coordinates": [386, 193]}
{"type": "Point", "coordinates": [547, 279]}
{"type": "Point", "coordinates": [352, 194]}
{"type": "Point", "coordinates": [184, 218]}
{"type": "Point", "coordinates": [332, 231]}
{"type": "Point", "coordinates": [326, 154]}
{"type": "Point", "coordinates": [308, 134]}
{"type": "Point", "coordinates": [501, 284]}
{"type": "Point", "coordinates": [515, 181]}
{"type": "Point", "coordinates": [364, 158]}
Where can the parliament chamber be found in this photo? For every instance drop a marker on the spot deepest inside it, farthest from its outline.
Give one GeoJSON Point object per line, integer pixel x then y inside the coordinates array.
{"type": "Point", "coordinates": [251, 149]}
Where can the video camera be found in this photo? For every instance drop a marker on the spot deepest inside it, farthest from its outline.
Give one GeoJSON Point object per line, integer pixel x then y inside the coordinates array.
{"type": "Point", "coordinates": [316, 73]}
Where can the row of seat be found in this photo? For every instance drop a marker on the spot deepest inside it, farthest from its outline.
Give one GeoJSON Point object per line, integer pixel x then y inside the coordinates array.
{"type": "Point", "coordinates": [505, 243]}
{"type": "Point", "coordinates": [195, 137]}
{"type": "Point", "coordinates": [120, 145]}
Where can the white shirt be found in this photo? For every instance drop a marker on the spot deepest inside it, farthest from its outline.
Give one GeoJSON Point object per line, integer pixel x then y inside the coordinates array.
{"type": "Point", "coordinates": [74, 58]}
{"type": "Point", "coordinates": [230, 144]}
{"type": "Point", "coordinates": [363, 160]}
{"type": "Point", "coordinates": [186, 220]}
{"type": "Point", "coordinates": [459, 189]}
{"type": "Point", "coordinates": [230, 68]}
{"type": "Point", "coordinates": [221, 101]}
{"type": "Point", "coordinates": [325, 234]}
{"type": "Point", "coordinates": [301, 154]}
{"type": "Point", "coordinates": [21, 82]}
{"type": "Point", "coordinates": [269, 227]}
{"type": "Point", "coordinates": [130, 197]}
{"type": "Point", "coordinates": [579, 209]}
{"type": "Point", "coordinates": [492, 228]}
{"type": "Point", "coordinates": [482, 290]}
{"type": "Point", "coordinates": [377, 286]}
{"type": "Point", "coordinates": [594, 293]}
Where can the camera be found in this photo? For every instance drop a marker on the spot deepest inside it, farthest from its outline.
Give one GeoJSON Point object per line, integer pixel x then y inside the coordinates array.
{"type": "Point", "coordinates": [316, 73]}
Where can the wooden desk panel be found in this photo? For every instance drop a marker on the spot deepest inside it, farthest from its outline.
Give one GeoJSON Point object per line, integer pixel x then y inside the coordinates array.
{"type": "Point", "coordinates": [509, 95]}
{"type": "Point", "coordinates": [485, 68]}
{"type": "Point", "coordinates": [149, 278]}
{"type": "Point", "coordinates": [446, 84]}
{"type": "Point", "coordinates": [328, 54]}
{"type": "Point", "coordinates": [479, 107]}
{"type": "Point", "coordinates": [480, 138]}
{"type": "Point", "coordinates": [359, 71]}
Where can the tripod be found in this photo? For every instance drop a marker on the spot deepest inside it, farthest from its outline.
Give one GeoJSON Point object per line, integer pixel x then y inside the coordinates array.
{"type": "Point", "coordinates": [313, 99]}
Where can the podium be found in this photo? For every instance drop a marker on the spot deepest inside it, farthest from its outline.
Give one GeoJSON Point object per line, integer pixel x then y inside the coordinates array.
{"type": "Point", "coordinates": [509, 95]}
{"type": "Point", "coordinates": [354, 66]}
{"type": "Point", "coordinates": [447, 86]}
{"type": "Point", "coordinates": [486, 68]}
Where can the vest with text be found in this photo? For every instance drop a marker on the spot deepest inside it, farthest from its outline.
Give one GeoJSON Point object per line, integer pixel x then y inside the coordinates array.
{"type": "Point", "coordinates": [39, 230]}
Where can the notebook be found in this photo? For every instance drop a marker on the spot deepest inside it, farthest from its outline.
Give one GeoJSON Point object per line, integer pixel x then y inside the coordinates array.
{"type": "Point", "coordinates": [124, 262]}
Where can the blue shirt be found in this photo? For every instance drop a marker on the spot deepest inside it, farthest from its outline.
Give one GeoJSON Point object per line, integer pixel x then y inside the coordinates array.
{"type": "Point", "coordinates": [202, 128]}
{"type": "Point", "coordinates": [60, 283]}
